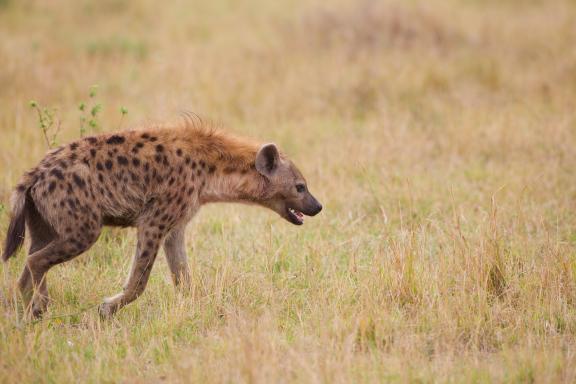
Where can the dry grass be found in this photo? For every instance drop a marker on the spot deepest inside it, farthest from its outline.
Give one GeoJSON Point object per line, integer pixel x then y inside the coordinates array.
{"type": "Point", "coordinates": [440, 136]}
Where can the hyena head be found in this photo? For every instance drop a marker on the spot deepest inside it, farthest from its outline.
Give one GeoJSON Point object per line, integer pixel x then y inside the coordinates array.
{"type": "Point", "coordinates": [286, 191]}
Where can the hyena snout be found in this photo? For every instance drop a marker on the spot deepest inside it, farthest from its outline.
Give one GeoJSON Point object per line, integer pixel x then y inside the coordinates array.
{"type": "Point", "coordinates": [312, 207]}
{"type": "Point", "coordinates": [294, 211]}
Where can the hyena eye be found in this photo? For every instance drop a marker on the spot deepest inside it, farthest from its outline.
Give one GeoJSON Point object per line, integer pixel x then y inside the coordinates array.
{"type": "Point", "coordinates": [300, 188]}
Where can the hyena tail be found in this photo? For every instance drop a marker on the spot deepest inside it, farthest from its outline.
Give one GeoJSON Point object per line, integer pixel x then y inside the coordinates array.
{"type": "Point", "coordinates": [17, 226]}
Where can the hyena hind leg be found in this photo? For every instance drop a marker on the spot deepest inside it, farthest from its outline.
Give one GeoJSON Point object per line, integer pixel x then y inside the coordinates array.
{"type": "Point", "coordinates": [175, 249]}
{"type": "Point", "coordinates": [41, 234]}
{"type": "Point", "coordinates": [56, 252]}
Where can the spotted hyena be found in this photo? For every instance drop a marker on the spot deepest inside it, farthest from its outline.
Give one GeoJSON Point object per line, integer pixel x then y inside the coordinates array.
{"type": "Point", "coordinates": [155, 180]}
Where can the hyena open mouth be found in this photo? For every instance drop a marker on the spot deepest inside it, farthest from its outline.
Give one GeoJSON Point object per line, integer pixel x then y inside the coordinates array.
{"type": "Point", "coordinates": [295, 216]}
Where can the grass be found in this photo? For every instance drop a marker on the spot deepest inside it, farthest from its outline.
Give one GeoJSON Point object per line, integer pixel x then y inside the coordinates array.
{"type": "Point", "coordinates": [438, 135]}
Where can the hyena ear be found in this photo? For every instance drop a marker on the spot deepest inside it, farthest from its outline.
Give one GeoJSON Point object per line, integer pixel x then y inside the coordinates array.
{"type": "Point", "coordinates": [267, 159]}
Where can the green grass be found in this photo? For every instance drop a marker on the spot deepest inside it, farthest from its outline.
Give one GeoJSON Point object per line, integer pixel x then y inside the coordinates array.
{"type": "Point", "coordinates": [439, 137]}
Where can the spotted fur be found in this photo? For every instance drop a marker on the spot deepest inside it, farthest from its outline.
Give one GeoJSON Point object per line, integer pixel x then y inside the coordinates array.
{"type": "Point", "coordinates": [155, 180]}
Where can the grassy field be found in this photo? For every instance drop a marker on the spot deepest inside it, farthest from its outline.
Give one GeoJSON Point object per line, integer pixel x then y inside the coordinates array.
{"type": "Point", "coordinates": [439, 135]}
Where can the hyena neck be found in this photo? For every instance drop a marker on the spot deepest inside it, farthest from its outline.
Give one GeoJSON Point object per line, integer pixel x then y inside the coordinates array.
{"type": "Point", "coordinates": [231, 173]}
{"type": "Point", "coordinates": [242, 187]}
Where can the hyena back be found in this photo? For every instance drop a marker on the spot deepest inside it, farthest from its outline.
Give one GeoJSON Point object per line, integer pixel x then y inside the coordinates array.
{"type": "Point", "coordinates": [154, 180]}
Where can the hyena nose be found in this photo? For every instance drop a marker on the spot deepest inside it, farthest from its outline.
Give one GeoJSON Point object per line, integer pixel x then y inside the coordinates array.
{"type": "Point", "coordinates": [318, 209]}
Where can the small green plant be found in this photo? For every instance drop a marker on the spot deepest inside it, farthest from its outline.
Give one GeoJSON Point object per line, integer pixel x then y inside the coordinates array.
{"type": "Point", "coordinates": [48, 122]}
{"type": "Point", "coordinates": [123, 112]}
{"type": "Point", "coordinates": [89, 112]}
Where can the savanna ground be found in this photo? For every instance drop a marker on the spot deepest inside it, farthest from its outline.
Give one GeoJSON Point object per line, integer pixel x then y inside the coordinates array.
{"type": "Point", "coordinates": [440, 136]}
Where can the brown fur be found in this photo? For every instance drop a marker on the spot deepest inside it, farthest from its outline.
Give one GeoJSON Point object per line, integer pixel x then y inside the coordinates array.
{"type": "Point", "coordinates": [155, 180]}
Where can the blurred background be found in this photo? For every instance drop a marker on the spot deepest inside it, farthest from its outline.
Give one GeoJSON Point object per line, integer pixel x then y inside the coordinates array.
{"type": "Point", "coordinates": [440, 136]}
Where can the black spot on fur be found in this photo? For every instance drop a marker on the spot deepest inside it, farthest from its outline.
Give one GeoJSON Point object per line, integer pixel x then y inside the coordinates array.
{"type": "Point", "coordinates": [108, 164]}
{"type": "Point", "coordinates": [193, 165]}
{"type": "Point", "coordinates": [211, 169]}
{"type": "Point", "coordinates": [99, 166]}
{"type": "Point", "coordinates": [21, 188]}
{"type": "Point", "coordinates": [153, 138]}
{"type": "Point", "coordinates": [158, 158]}
{"type": "Point", "coordinates": [73, 146]}
{"type": "Point", "coordinates": [100, 178]}
{"type": "Point", "coordinates": [115, 139]}
{"type": "Point", "coordinates": [122, 160]}
{"type": "Point", "coordinates": [179, 152]}
{"type": "Point", "coordinates": [52, 186]}
{"type": "Point", "coordinates": [137, 147]}
{"type": "Point", "coordinates": [136, 162]}
{"type": "Point", "coordinates": [63, 164]}
{"type": "Point", "coordinates": [229, 170]}
{"type": "Point", "coordinates": [58, 173]}
{"type": "Point", "coordinates": [145, 136]}
{"type": "Point", "coordinates": [202, 163]}
{"type": "Point", "coordinates": [79, 181]}
{"type": "Point", "coordinates": [92, 140]}
{"type": "Point", "coordinates": [73, 156]}
{"type": "Point", "coordinates": [92, 152]}
{"type": "Point", "coordinates": [159, 148]}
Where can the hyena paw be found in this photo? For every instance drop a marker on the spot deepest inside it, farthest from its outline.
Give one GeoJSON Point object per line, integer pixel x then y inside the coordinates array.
{"type": "Point", "coordinates": [38, 307]}
{"type": "Point", "coordinates": [36, 312]}
{"type": "Point", "coordinates": [108, 308]}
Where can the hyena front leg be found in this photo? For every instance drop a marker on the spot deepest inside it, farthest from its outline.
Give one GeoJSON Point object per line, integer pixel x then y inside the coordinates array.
{"type": "Point", "coordinates": [175, 249]}
{"type": "Point", "coordinates": [149, 239]}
